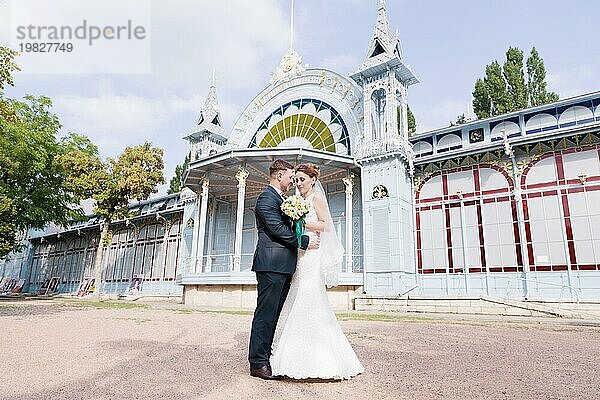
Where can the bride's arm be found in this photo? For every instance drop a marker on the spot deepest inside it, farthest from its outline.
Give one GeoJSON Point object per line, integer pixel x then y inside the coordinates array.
{"type": "Point", "coordinates": [321, 210]}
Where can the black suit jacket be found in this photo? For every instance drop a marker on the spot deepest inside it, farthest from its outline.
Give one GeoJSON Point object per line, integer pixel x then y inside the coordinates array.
{"type": "Point", "coordinates": [277, 247]}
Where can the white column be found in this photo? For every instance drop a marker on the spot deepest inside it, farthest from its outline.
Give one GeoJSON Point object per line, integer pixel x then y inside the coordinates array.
{"type": "Point", "coordinates": [201, 227]}
{"type": "Point", "coordinates": [463, 233]}
{"type": "Point", "coordinates": [349, 182]}
{"type": "Point", "coordinates": [508, 150]}
{"type": "Point", "coordinates": [241, 176]}
{"type": "Point", "coordinates": [196, 216]}
{"type": "Point", "coordinates": [212, 205]}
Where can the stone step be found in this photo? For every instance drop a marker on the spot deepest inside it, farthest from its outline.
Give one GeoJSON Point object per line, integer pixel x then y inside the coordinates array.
{"type": "Point", "coordinates": [474, 305]}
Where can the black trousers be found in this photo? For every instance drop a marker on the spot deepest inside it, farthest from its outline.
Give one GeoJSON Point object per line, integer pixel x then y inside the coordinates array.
{"type": "Point", "coordinates": [272, 290]}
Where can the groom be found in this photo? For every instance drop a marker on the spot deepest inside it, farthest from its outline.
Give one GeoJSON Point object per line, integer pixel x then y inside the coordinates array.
{"type": "Point", "coordinates": [274, 263]}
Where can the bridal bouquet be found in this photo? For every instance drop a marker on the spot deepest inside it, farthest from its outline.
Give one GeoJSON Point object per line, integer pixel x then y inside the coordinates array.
{"type": "Point", "coordinates": [296, 208]}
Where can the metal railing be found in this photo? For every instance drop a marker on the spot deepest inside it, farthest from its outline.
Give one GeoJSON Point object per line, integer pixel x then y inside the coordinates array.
{"type": "Point", "coordinates": [528, 280]}
{"type": "Point", "coordinates": [225, 263]}
{"type": "Point", "coordinates": [217, 263]}
{"type": "Point", "coordinates": [381, 146]}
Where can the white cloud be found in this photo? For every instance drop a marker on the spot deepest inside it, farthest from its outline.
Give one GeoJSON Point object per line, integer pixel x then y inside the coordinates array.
{"type": "Point", "coordinates": [115, 120]}
{"type": "Point", "coordinates": [439, 115]}
{"type": "Point", "coordinates": [572, 81]}
{"type": "Point", "coordinates": [341, 63]}
{"type": "Point", "coordinates": [235, 37]}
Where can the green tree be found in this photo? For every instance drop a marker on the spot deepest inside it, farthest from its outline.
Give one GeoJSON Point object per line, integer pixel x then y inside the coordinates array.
{"type": "Point", "coordinates": [461, 119]}
{"type": "Point", "coordinates": [515, 79]}
{"type": "Point", "coordinates": [497, 89]}
{"type": "Point", "coordinates": [7, 66]}
{"type": "Point", "coordinates": [505, 89]}
{"type": "Point", "coordinates": [33, 181]}
{"type": "Point", "coordinates": [33, 190]}
{"type": "Point", "coordinates": [176, 181]}
{"type": "Point", "coordinates": [536, 81]}
{"type": "Point", "coordinates": [412, 122]}
{"type": "Point", "coordinates": [482, 102]}
{"type": "Point", "coordinates": [113, 184]}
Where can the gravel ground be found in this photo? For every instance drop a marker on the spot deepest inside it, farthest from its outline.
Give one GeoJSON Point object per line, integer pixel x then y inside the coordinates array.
{"type": "Point", "coordinates": [70, 350]}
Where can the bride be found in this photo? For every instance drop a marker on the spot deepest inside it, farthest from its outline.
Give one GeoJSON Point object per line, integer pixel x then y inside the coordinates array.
{"type": "Point", "coordinates": [309, 342]}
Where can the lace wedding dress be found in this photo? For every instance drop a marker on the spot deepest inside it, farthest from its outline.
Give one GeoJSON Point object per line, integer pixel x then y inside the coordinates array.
{"type": "Point", "coordinates": [308, 341]}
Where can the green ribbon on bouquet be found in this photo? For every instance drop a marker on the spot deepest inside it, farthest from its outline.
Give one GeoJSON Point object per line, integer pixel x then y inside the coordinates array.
{"type": "Point", "coordinates": [299, 227]}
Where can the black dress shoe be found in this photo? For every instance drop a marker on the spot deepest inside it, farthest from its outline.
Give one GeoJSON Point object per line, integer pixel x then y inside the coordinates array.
{"type": "Point", "coordinates": [264, 373]}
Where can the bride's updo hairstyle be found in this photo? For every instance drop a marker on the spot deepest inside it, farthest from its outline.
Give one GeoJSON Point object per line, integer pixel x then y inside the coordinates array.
{"type": "Point", "coordinates": [312, 170]}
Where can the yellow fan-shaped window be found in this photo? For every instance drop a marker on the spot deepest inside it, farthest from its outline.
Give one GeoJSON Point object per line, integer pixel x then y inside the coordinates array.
{"type": "Point", "coordinates": [308, 127]}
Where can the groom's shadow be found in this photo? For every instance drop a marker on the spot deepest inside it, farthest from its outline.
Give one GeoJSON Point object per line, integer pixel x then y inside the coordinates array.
{"type": "Point", "coordinates": [310, 380]}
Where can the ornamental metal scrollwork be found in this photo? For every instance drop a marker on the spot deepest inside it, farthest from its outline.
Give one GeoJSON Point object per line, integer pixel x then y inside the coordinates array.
{"type": "Point", "coordinates": [380, 192]}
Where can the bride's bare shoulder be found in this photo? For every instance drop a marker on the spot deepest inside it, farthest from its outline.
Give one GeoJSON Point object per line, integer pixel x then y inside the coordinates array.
{"type": "Point", "coordinates": [318, 199]}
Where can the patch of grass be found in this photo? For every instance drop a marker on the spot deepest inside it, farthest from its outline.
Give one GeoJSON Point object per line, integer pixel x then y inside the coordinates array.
{"type": "Point", "coordinates": [104, 304]}
{"type": "Point", "coordinates": [384, 317]}
{"type": "Point", "coordinates": [235, 312]}
{"type": "Point", "coordinates": [402, 318]}
{"type": "Point", "coordinates": [182, 311]}
{"type": "Point", "coordinates": [230, 312]}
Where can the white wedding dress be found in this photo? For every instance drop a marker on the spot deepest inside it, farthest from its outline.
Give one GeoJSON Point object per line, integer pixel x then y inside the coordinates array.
{"type": "Point", "coordinates": [308, 341]}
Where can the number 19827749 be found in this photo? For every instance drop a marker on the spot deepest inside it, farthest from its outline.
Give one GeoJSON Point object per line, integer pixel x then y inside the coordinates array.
{"type": "Point", "coordinates": [46, 47]}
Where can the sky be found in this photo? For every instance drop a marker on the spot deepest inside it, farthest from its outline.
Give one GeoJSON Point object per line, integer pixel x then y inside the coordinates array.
{"type": "Point", "coordinates": [446, 43]}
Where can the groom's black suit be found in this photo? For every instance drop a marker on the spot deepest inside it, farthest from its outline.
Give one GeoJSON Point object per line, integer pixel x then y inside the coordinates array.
{"type": "Point", "coordinates": [274, 263]}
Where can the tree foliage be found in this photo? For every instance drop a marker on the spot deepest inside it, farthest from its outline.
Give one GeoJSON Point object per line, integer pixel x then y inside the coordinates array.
{"type": "Point", "coordinates": [112, 184]}
{"type": "Point", "coordinates": [412, 122]}
{"type": "Point", "coordinates": [33, 182]}
{"type": "Point", "coordinates": [7, 66]}
{"type": "Point", "coordinates": [507, 88]}
{"type": "Point", "coordinates": [536, 81]}
{"type": "Point", "coordinates": [176, 181]}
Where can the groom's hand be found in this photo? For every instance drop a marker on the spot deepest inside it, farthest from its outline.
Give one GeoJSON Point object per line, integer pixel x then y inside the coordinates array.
{"type": "Point", "coordinates": [314, 241]}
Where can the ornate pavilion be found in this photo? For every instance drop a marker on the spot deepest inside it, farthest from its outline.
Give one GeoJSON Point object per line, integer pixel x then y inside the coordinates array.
{"type": "Point", "coordinates": [507, 207]}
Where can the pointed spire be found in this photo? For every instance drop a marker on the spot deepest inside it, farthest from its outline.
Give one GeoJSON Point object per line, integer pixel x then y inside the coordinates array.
{"type": "Point", "coordinates": [384, 52]}
{"type": "Point", "coordinates": [209, 122]}
{"type": "Point", "coordinates": [383, 40]}
{"type": "Point", "coordinates": [209, 113]}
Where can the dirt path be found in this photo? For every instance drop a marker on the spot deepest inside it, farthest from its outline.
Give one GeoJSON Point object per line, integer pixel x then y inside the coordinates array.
{"type": "Point", "coordinates": [52, 350]}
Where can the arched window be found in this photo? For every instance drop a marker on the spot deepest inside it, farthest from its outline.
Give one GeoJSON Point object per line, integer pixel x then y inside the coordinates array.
{"type": "Point", "coordinates": [378, 102]}
{"type": "Point", "coordinates": [466, 220]}
{"type": "Point", "coordinates": [562, 211]}
{"type": "Point", "coordinates": [304, 122]}
{"type": "Point", "coordinates": [422, 148]}
{"type": "Point", "coordinates": [510, 129]}
{"type": "Point", "coordinates": [449, 142]}
{"type": "Point", "coordinates": [575, 115]}
{"type": "Point", "coordinates": [541, 122]}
